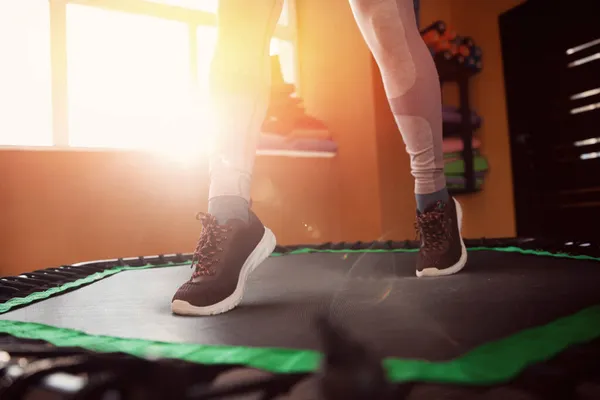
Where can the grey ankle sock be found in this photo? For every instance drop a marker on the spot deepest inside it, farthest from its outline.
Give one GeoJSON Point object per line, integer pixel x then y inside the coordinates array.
{"type": "Point", "coordinates": [426, 200]}
{"type": "Point", "coordinates": [224, 208]}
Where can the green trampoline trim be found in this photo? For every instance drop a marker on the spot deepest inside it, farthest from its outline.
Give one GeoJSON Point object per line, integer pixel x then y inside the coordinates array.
{"type": "Point", "coordinates": [492, 363]}
{"type": "Point", "coordinates": [21, 301]}
{"type": "Point", "coordinates": [508, 249]}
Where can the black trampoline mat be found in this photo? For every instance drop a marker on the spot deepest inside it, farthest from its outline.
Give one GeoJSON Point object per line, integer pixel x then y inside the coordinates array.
{"type": "Point", "coordinates": [374, 295]}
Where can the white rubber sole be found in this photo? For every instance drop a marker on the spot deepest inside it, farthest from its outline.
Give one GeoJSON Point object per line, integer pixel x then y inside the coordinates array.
{"type": "Point", "coordinates": [460, 264]}
{"type": "Point", "coordinates": [262, 251]}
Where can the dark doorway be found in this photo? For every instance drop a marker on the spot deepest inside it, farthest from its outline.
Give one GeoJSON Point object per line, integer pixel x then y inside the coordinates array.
{"type": "Point", "coordinates": [551, 53]}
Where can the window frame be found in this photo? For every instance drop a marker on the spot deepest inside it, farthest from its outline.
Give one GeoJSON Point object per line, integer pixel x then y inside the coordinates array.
{"type": "Point", "coordinates": [193, 19]}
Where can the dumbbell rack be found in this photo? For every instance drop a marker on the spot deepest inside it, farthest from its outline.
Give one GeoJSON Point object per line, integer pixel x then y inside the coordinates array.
{"type": "Point", "coordinates": [450, 72]}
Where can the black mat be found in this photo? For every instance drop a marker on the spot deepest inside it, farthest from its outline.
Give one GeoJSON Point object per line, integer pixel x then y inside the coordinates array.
{"type": "Point", "coordinates": [375, 295]}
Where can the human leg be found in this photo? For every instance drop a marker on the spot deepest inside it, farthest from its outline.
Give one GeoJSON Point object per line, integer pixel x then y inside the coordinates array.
{"type": "Point", "coordinates": [233, 240]}
{"type": "Point", "coordinates": [240, 89]}
{"type": "Point", "coordinates": [412, 86]}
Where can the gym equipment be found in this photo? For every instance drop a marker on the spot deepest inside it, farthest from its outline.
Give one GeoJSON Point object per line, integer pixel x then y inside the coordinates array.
{"type": "Point", "coordinates": [433, 32]}
{"type": "Point", "coordinates": [286, 115]}
{"type": "Point", "coordinates": [451, 50]}
{"type": "Point", "coordinates": [456, 145]}
{"type": "Point", "coordinates": [457, 167]}
{"type": "Point", "coordinates": [345, 320]}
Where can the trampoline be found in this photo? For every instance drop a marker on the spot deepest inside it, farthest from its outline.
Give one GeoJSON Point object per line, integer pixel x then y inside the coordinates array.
{"type": "Point", "coordinates": [346, 320]}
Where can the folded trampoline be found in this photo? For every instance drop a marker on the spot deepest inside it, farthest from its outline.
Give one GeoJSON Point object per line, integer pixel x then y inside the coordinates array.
{"type": "Point", "coordinates": [346, 320]}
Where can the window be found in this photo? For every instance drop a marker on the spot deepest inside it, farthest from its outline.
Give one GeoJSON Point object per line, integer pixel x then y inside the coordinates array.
{"type": "Point", "coordinates": [136, 72]}
{"type": "Point", "coordinates": [130, 85]}
{"type": "Point", "coordinates": [210, 6]}
{"type": "Point", "coordinates": [286, 52]}
{"type": "Point", "coordinates": [25, 74]}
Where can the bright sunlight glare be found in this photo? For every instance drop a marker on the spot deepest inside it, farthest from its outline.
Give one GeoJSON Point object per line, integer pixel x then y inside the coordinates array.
{"type": "Point", "coordinates": [131, 79]}
{"type": "Point", "coordinates": [200, 5]}
{"type": "Point", "coordinates": [212, 6]}
{"type": "Point", "coordinates": [25, 77]}
{"type": "Point", "coordinates": [130, 85]}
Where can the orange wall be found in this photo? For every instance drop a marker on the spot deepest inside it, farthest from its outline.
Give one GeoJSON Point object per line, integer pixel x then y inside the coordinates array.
{"type": "Point", "coordinates": [335, 66]}
{"type": "Point", "coordinates": [489, 213]}
{"type": "Point", "coordinates": [492, 211]}
{"type": "Point", "coordinates": [375, 182]}
{"type": "Point", "coordinates": [60, 207]}
{"type": "Point", "coordinates": [341, 84]}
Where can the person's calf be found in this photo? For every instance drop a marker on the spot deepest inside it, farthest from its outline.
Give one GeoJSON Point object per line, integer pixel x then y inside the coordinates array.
{"type": "Point", "coordinates": [225, 208]}
{"type": "Point", "coordinates": [424, 201]}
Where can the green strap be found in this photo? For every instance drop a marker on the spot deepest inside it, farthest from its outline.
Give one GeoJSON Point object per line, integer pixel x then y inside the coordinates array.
{"type": "Point", "coordinates": [492, 363]}
{"type": "Point", "coordinates": [21, 301]}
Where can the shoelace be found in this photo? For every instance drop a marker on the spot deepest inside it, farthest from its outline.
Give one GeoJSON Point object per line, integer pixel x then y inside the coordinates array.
{"type": "Point", "coordinates": [433, 229]}
{"type": "Point", "coordinates": [208, 245]}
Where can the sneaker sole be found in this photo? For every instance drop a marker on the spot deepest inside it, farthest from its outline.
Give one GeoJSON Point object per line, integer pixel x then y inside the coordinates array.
{"type": "Point", "coordinates": [463, 254]}
{"type": "Point", "coordinates": [260, 253]}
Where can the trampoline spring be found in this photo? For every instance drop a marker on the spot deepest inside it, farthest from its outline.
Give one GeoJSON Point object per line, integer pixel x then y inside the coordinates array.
{"type": "Point", "coordinates": [179, 258]}
{"type": "Point", "coordinates": [135, 262]}
{"type": "Point", "coordinates": [339, 246]}
{"type": "Point", "coordinates": [48, 278]}
{"type": "Point", "coordinates": [36, 283]}
{"type": "Point", "coordinates": [59, 272]}
{"type": "Point", "coordinates": [325, 246]}
{"type": "Point", "coordinates": [74, 273]}
{"type": "Point", "coordinates": [187, 257]}
{"type": "Point", "coordinates": [89, 268]}
{"type": "Point", "coordinates": [153, 260]}
{"type": "Point", "coordinates": [356, 245]}
{"type": "Point", "coordinates": [170, 258]}
{"type": "Point", "coordinates": [5, 289]}
{"type": "Point", "coordinates": [20, 283]}
{"type": "Point", "coordinates": [100, 264]}
{"type": "Point", "coordinates": [86, 271]}
{"type": "Point", "coordinates": [12, 290]}
{"type": "Point", "coordinates": [167, 258]}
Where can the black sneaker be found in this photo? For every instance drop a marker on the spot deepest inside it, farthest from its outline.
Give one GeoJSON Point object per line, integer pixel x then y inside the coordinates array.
{"type": "Point", "coordinates": [442, 251]}
{"type": "Point", "coordinates": [224, 258]}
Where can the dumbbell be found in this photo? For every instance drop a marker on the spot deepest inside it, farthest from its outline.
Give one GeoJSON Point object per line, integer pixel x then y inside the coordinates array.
{"type": "Point", "coordinates": [449, 34]}
{"type": "Point", "coordinates": [473, 63]}
{"type": "Point", "coordinates": [433, 33]}
{"type": "Point", "coordinates": [467, 41]}
{"type": "Point", "coordinates": [449, 57]}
